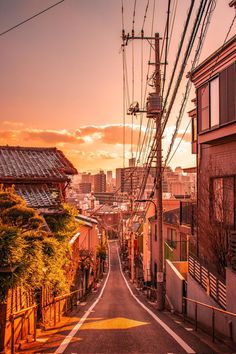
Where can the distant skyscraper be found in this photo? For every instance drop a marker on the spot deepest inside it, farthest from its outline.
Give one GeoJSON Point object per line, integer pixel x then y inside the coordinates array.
{"type": "Point", "coordinates": [100, 182]}
{"type": "Point", "coordinates": [109, 176]}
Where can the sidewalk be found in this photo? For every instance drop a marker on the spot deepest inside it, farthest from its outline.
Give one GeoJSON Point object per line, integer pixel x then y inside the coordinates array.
{"type": "Point", "coordinates": [49, 339]}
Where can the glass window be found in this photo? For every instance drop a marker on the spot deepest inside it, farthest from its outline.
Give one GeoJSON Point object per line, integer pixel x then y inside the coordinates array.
{"type": "Point", "coordinates": [203, 107]}
{"type": "Point", "coordinates": [218, 199]}
{"type": "Point", "coordinates": [194, 129]}
{"type": "Point", "coordinates": [214, 102]}
{"type": "Point", "coordinates": [223, 200]}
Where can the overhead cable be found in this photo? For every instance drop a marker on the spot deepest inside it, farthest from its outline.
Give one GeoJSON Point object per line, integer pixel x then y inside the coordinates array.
{"type": "Point", "coordinates": [30, 18]}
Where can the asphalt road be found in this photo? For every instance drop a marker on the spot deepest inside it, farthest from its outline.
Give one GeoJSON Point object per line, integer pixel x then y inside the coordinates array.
{"type": "Point", "coordinates": [119, 324]}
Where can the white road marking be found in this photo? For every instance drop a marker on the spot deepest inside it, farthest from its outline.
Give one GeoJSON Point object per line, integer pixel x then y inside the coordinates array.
{"type": "Point", "coordinates": [179, 340]}
{"type": "Point", "coordinates": [73, 332]}
{"type": "Point", "coordinates": [188, 329]}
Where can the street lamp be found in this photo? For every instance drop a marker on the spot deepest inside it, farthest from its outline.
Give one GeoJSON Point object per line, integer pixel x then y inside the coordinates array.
{"type": "Point", "coordinates": [160, 284]}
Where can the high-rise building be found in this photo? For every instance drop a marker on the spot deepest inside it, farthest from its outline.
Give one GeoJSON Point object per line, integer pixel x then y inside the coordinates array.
{"type": "Point", "coordinates": [100, 182]}
{"type": "Point", "coordinates": [85, 187]}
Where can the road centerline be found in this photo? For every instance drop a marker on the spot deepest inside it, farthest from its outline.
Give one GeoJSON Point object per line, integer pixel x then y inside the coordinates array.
{"type": "Point", "coordinates": [178, 339]}
{"type": "Point", "coordinates": [64, 344]}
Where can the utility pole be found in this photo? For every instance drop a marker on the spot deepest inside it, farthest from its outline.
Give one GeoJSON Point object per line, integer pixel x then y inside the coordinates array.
{"type": "Point", "coordinates": [158, 115]}
{"type": "Point", "coordinates": [154, 111]}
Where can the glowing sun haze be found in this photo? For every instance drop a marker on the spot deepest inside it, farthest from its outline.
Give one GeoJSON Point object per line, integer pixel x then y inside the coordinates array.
{"type": "Point", "coordinates": [61, 76]}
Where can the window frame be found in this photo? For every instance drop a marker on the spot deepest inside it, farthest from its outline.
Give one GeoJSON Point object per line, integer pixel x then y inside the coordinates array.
{"type": "Point", "coordinates": [212, 217]}
{"type": "Point", "coordinates": [222, 122]}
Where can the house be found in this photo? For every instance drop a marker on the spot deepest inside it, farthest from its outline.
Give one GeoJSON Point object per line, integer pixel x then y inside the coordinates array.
{"type": "Point", "coordinates": [40, 175]}
{"type": "Point", "coordinates": [212, 276]}
{"type": "Point", "coordinates": [88, 242]}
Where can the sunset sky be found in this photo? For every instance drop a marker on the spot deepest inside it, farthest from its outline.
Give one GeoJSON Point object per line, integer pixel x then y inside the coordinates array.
{"type": "Point", "coordinates": [61, 75]}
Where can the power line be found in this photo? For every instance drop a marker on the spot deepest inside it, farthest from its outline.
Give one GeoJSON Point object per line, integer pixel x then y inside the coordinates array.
{"type": "Point", "coordinates": [145, 15]}
{"type": "Point", "coordinates": [180, 141]}
{"type": "Point", "coordinates": [196, 25]}
{"type": "Point", "coordinates": [179, 51]}
{"type": "Point", "coordinates": [31, 18]}
{"type": "Point", "coordinates": [205, 25]}
{"type": "Point", "coordinates": [166, 48]}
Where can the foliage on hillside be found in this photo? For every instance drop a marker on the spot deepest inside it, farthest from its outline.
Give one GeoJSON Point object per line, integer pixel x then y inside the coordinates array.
{"type": "Point", "coordinates": [29, 254]}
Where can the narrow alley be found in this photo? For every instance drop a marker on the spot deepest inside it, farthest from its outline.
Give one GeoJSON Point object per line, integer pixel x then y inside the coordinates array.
{"type": "Point", "coordinates": [118, 321]}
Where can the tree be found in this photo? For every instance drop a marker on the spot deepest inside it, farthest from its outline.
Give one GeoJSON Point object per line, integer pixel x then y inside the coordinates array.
{"type": "Point", "coordinates": [29, 254]}
{"type": "Point", "coordinates": [215, 216]}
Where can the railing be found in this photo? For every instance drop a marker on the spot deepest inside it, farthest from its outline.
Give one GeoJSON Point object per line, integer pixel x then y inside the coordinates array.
{"type": "Point", "coordinates": [215, 287]}
{"type": "Point", "coordinates": [149, 291]}
{"type": "Point", "coordinates": [176, 250]}
{"type": "Point", "coordinates": [60, 305]}
{"type": "Point", "coordinates": [214, 311]}
{"type": "Point", "coordinates": [24, 314]}
{"type": "Point", "coordinates": [232, 244]}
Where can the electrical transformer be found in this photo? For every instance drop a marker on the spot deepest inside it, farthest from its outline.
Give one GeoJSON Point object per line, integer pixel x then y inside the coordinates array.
{"type": "Point", "coordinates": [153, 104]}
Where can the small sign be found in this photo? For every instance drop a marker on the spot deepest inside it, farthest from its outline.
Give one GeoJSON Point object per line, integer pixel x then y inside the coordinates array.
{"type": "Point", "coordinates": [160, 277]}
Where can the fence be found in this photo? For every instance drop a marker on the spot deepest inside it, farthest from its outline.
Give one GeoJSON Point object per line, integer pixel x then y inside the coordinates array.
{"type": "Point", "coordinates": [52, 312]}
{"type": "Point", "coordinates": [214, 311]}
{"type": "Point", "coordinates": [232, 243]}
{"type": "Point", "coordinates": [22, 322]}
{"type": "Point", "coordinates": [214, 286]}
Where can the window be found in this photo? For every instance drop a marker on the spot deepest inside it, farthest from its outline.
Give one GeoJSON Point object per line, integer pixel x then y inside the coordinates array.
{"type": "Point", "coordinates": [223, 200]}
{"type": "Point", "coordinates": [216, 100]}
{"type": "Point", "coordinates": [227, 94]}
{"type": "Point", "coordinates": [203, 106]}
{"type": "Point", "coordinates": [171, 237]}
{"type": "Point", "coordinates": [194, 129]}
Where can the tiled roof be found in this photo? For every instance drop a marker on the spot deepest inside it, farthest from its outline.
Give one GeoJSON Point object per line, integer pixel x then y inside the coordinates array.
{"type": "Point", "coordinates": [23, 163]}
{"type": "Point", "coordinates": [39, 196]}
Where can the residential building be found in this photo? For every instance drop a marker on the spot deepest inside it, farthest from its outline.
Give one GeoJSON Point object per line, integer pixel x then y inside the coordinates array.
{"type": "Point", "coordinates": [212, 267]}
{"type": "Point", "coordinates": [40, 175]}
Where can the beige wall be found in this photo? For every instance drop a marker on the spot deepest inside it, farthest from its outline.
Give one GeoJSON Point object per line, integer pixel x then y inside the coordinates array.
{"type": "Point", "coordinates": [174, 285]}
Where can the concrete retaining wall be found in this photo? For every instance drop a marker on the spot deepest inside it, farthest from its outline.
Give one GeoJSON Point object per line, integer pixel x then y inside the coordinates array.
{"type": "Point", "coordinates": [204, 315]}
{"type": "Point", "coordinates": [174, 285]}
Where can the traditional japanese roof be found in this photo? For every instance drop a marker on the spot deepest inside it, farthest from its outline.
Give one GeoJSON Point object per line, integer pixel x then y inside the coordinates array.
{"type": "Point", "coordinates": [39, 196]}
{"type": "Point", "coordinates": [29, 164]}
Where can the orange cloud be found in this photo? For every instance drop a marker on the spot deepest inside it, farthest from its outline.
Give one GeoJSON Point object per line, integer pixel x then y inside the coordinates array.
{"type": "Point", "coordinates": [13, 124]}
{"type": "Point", "coordinates": [187, 137]}
{"type": "Point", "coordinates": [109, 134]}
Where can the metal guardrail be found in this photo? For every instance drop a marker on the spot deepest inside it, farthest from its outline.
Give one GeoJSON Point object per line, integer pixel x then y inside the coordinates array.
{"type": "Point", "coordinates": [214, 310]}
{"type": "Point", "coordinates": [214, 286]}
{"type": "Point", "coordinates": [25, 314]}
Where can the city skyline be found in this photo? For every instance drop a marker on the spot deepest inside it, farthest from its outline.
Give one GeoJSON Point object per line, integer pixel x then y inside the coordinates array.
{"type": "Point", "coordinates": [55, 94]}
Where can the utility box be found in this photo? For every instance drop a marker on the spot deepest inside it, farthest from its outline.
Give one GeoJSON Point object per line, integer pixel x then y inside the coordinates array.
{"type": "Point", "coordinates": [153, 104]}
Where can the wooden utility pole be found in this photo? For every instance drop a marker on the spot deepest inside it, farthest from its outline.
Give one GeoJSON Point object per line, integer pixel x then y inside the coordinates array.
{"type": "Point", "coordinates": [154, 111]}
{"type": "Point", "coordinates": [157, 117]}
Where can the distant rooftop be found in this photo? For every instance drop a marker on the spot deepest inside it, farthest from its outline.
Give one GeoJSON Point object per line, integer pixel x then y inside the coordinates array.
{"type": "Point", "coordinates": [18, 164]}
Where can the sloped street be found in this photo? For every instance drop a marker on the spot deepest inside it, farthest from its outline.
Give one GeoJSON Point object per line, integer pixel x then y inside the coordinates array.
{"type": "Point", "coordinates": [116, 322]}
